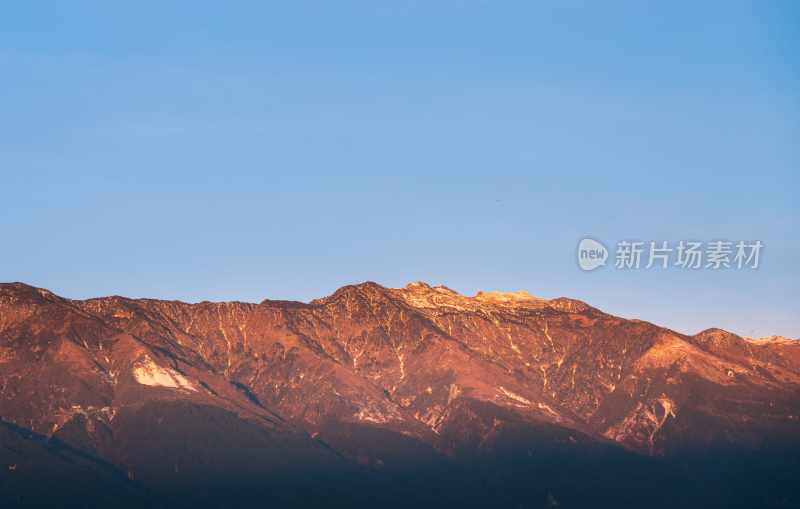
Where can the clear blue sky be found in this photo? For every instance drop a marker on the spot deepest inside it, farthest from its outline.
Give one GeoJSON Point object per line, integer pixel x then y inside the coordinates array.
{"type": "Point", "coordinates": [250, 150]}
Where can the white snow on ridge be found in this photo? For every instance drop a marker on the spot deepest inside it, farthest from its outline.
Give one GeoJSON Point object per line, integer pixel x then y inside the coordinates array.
{"type": "Point", "coordinates": [149, 373]}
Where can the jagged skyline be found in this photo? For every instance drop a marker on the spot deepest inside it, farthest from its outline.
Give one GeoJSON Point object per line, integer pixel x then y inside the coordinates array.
{"type": "Point", "coordinates": [503, 399]}
{"type": "Point", "coordinates": [189, 151]}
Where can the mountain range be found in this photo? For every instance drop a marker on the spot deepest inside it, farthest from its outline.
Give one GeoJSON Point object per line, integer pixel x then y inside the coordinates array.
{"type": "Point", "coordinates": [387, 397]}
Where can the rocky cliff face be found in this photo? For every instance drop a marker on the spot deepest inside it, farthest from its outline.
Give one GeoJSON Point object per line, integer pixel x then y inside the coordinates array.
{"type": "Point", "coordinates": [375, 382]}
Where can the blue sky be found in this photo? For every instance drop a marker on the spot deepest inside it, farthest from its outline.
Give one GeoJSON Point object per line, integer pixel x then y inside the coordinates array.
{"type": "Point", "coordinates": [196, 151]}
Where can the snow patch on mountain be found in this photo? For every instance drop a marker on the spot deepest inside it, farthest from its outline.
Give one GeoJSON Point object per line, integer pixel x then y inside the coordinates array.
{"type": "Point", "coordinates": [151, 374]}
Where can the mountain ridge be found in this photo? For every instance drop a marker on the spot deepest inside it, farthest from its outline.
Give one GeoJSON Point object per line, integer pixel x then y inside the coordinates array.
{"type": "Point", "coordinates": [367, 374]}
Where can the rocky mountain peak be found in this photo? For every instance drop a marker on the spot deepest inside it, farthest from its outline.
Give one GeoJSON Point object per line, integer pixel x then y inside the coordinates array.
{"type": "Point", "coordinates": [21, 292]}
{"type": "Point", "coordinates": [774, 339]}
{"type": "Point", "coordinates": [517, 297]}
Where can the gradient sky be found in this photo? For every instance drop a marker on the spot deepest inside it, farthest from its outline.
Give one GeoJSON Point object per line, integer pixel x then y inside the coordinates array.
{"type": "Point", "coordinates": [201, 150]}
